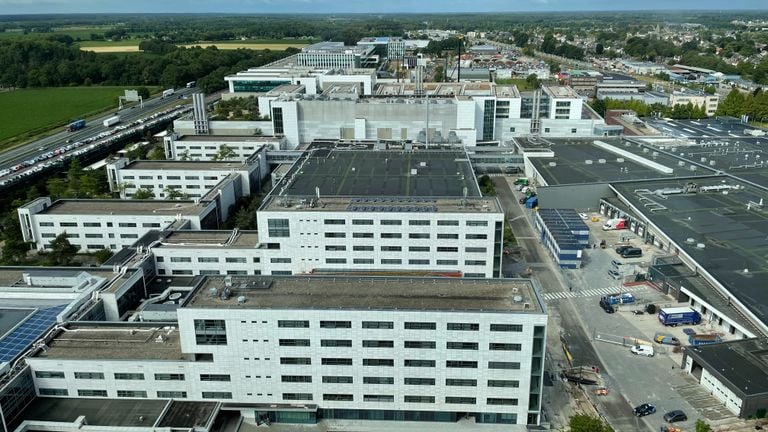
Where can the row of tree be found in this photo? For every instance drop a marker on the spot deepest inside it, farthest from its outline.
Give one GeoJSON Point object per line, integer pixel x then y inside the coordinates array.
{"type": "Point", "coordinates": [754, 104]}
{"type": "Point", "coordinates": [680, 111]}
{"type": "Point", "coordinates": [550, 46]}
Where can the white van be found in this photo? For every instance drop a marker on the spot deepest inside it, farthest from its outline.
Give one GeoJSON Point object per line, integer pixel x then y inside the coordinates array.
{"type": "Point", "coordinates": [643, 350]}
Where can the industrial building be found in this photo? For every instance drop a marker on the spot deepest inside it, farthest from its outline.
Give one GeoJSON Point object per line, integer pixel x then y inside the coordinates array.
{"type": "Point", "coordinates": [335, 55]}
{"type": "Point", "coordinates": [391, 48]}
{"type": "Point", "coordinates": [300, 350]}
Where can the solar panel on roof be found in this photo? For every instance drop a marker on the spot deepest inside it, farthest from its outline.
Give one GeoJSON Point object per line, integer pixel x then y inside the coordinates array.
{"type": "Point", "coordinates": [29, 331]}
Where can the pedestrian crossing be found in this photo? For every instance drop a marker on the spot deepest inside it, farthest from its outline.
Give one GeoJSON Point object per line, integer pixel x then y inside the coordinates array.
{"type": "Point", "coordinates": [593, 292]}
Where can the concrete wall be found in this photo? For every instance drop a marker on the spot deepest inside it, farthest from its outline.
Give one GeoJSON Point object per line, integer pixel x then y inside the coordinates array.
{"type": "Point", "coordinates": [573, 196]}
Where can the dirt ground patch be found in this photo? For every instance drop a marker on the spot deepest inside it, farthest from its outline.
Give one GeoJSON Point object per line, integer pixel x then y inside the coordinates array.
{"type": "Point", "coordinates": [111, 49]}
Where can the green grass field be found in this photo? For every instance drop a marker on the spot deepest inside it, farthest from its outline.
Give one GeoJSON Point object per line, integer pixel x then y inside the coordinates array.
{"type": "Point", "coordinates": [29, 112]}
{"type": "Point", "coordinates": [99, 43]}
{"type": "Point", "coordinates": [521, 83]}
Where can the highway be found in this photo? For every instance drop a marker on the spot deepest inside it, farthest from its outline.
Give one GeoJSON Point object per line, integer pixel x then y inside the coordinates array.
{"type": "Point", "coordinates": [93, 127]}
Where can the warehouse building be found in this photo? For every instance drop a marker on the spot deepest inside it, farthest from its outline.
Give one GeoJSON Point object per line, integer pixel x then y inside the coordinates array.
{"type": "Point", "coordinates": [564, 234]}
{"type": "Point", "coordinates": [306, 350]}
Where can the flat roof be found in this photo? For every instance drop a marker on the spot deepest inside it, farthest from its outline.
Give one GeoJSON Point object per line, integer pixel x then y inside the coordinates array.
{"type": "Point", "coordinates": [743, 363]}
{"type": "Point", "coordinates": [733, 238]}
{"type": "Point", "coordinates": [98, 412]}
{"type": "Point", "coordinates": [227, 138]}
{"type": "Point", "coordinates": [152, 165]}
{"type": "Point", "coordinates": [372, 293]}
{"type": "Point", "coordinates": [381, 173]}
{"type": "Point", "coordinates": [13, 277]}
{"type": "Point", "coordinates": [122, 207]}
{"type": "Point", "coordinates": [561, 91]}
{"type": "Point", "coordinates": [119, 342]}
{"type": "Point", "coordinates": [210, 238]}
{"type": "Point", "coordinates": [187, 414]}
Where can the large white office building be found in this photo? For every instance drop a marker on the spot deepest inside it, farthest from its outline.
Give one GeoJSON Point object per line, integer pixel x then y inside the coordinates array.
{"type": "Point", "coordinates": [336, 55]}
{"type": "Point", "coordinates": [304, 350]}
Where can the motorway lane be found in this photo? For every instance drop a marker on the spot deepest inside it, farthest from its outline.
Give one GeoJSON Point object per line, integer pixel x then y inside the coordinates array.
{"type": "Point", "coordinates": [93, 127]}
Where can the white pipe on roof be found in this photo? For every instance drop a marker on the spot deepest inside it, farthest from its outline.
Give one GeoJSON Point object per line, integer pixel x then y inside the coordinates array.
{"type": "Point", "coordinates": [633, 157]}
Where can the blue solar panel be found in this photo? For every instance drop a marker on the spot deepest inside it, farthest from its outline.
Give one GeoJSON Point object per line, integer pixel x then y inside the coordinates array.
{"type": "Point", "coordinates": [29, 331]}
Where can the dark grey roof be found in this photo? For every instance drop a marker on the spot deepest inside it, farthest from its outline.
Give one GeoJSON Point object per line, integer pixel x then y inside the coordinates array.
{"type": "Point", "coordinates": [741, 364]}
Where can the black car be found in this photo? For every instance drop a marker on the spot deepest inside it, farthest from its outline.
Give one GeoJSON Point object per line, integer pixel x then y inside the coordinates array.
{"type": "Point", "coordinates": [675, 416]}
{"type": "Point", "coordinates": [607, 307]}
{"type": "Point", "coordinates": [621, 249]}
{"type": "Point", "coordinates": [644, 410]}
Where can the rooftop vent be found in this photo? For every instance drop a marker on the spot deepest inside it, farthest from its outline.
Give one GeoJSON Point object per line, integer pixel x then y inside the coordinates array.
{"type": "Point", "coordinates": [620, 160]}
{"type": "Point", "coordinates": [240, 299]}
{"type": "Point", "coordinates": [553, 164]}
{"type": "Point", "coordinates": [588, 161]}
{"type": "Point", "coordinates": [690, 240]}
{"type": "Point", "coordinates": [601, 161]}
{"type": "Point", "coordinates": [700, 245]}
{"type": "Point", "coordinates": [517, 299]}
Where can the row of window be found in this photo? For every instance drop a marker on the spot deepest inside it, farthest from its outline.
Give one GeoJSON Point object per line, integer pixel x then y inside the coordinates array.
{"type": "Point", "coordinates": [418, 222]}
{"type": "Point", "coordinates": [407, 344]}
{"type": "Point", "coordinates": [99, 225]}
{"type": "Point", "coordinates": [450, 382]}
{"type": "Point", "coordinates": [170, 177]}
{"type": "Point", "coordinates": [459, 364]}
{"type": "Point", "coordinates": [413, 236]}
{"type": "Point", "coordinates": [450, 249]}
{"type": "Point", "coordinates": [234, 147]}
{"type": "Point", "coordinates": [408, 325]}
{"type": "Point", "coordinates": [70, 235]}
{"type": "Point", "coordinates": [413, 261]}
{"type": "Point", "coordinates": [163, 394]}
{"type": "Point", "coordinates": [391, 398]}
{"type": "Point", "coordinates": [231, 260]}
{"type": "Point", "coordinates": [131, 376]}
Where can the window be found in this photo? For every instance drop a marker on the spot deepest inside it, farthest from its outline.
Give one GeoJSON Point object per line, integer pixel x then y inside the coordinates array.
{"type": "Point", "coordinates": [191, 177]}
{"type": "Point", "coordinates": [419, 363]}
{"type": "Point", "coordinates": [362, 261]}
{"type": "Point", "coordinates": [362, 235]}
{"type": "Point", "coordinates": [447, 236]}
{"type": "Point", "coordinates": [418, 249]}
{"type": "Point", "coordinates": [474, 262]}
{"type": "Point", "coordinates": [503, 365]}
{"type": "Point", "coordinates": [173, 177]}
{"type": "Point", "coordinates": [546, 130]}
{"type": "Point", "coordinates": [391, 248]}
{"type": "Point", "coordinates": [504, 383]}
{"type": "Point", "coordinates": [460, 400]}
{"type": "Point", "coordinates": [418, 222]}
{"type": "Point", "coordinates": [167, 394]}
{"type": "Point", "coordinates": [477, 223]}
{"type": "Point", "coordinates": [278, 228]}
{"type": "Point", "coordinates": [419, 344]}
{"type": "Point", "coordinates": [378, 398]}
{"type": "Point", "coordinates": [129, 376]}
{"type": "Point", "coordinates": [447, 223]}
{"type": "Point", "coordinates": [94, 236]}
{"type": "Point", "coordinates": [73, 224]}
{"type": "Point", "coordinates": [87, 224]}
{"type": "Point", "coordinates": [378, 344]}
{"type": "Point", "coordinates": [447, 262]}
{"type": "Point", "coordinates": [294, 342]}
{"type": "Point", "coordinates": [132, 393]}
{"type": "Point", "coordinates": [362, 248]}
{"type": "Point", "coordinates": [335, 235]}
{"type": "Point", "coordinates": [208, 259]}
{"type": "Point", "coordinates": [335, 324]}
{"type": "Point", "coordinates": [464, 326]}
{"type": "Point", "coordinates": [418, 399]}
{"type": "Point", "coordinates": [48, 374]}
{"type": "Point", "coordinates": [378, 325]}
{"type": "Point", "coordinates": [391, 235]}
{"type": "Point", "coordinates": [362, 221]}
{"type": "Point", "coordinates": [210, 332]}
{"type": "Point", "coordinates": [297, 396]}
{"type": "Point", "coordinates": [461, 345]}
{"type": "Point", "coordinates": [209, 272]}
{"type": "Point", "coordinates": [53, 392]}
{"type": "Point", "coordinates": [280, 260]}
{"type": "Point", "coordinates": [334, 221]}
{"type": "Point", "coordinates": [217, 395]}
{"type": "Point", "coordinates": [420, 326]}
{"type": "Point", "coordinates": [127, 225]}
{"type": "Point", "coordinates": [337, 397]}
{"type": "Point", "coordinates": [181, 259]}
{"type": "Point", "coordinates": [337, 380]}
{"type": "Point", "coordinates": [215, 377]}
{"type": "Point", "coordinates": [169, 377]}
{"type": "Point", "coordinates": [461, 364]}
{"type": "Point", "coordinates": [91, 393]}
{"type": "Point", "coordinates": [456, 382]}
{"type": "Point", "coordinates": [391, 261]}
{"type": "Point", "coordinates": [48, 235]}
{"type": "Point", "coordinates": [476, 236]}
{"type": "Point", "coordinates": [476, 250]}
{"type": "Point", "coordinates": [418, 236]}
{"type": "Point", "coordinates": [419, 381]}
{"type": "Point", "coordinates": [151, 224]}
{"type": "Point", "coordinates": [335, 248]}
{"type": "Point", "coordinates": [391, 222]}
{"type": "Point", "coordinates": [378, 380]}
{"type": "Point", "coordinates": [336, 361]}
{"type": "Point", "coordinates": [296, 378]}
{"type": "Point", "coordinates": [573, 130]}
{"type": "Point", "coordinates": [418, 261]}
{"type": "Point", "coordinates": [210, 178]}
{"type": "Point", "coordinates": [295, 360]}
{"type": "Point", "coordinates": [89, 375]}
{"type": "Point", "coordinates": [378, 362]}
{"type": "Point", "coordinates": [447, 249]}
{"type": "Point", "coordinates": [501, 401]}
{"type": "Point", "coordinates": [237, 260]}
{"type": "Point", "coordinates": [131, 236]}
{"type": "Point", "coordinates": [293, 323]}
{"type": "Point", "coordinates": [335, 260]}
{"type": "Point", "coordinates": [504, 346]}
{"type": "Point", "coordinates": [507, 327]}
{"type": "Point", "coordinates": [336, 342]}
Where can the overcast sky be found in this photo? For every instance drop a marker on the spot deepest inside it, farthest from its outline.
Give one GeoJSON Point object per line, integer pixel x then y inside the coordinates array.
{"type": "Point", "coordinates": [360, 6]}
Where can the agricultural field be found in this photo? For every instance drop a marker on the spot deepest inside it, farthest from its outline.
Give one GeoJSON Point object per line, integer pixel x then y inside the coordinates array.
{"type": "Point", "coordinates": [132, 45]}
{"type": "Point", "coordinates": [28, 112]}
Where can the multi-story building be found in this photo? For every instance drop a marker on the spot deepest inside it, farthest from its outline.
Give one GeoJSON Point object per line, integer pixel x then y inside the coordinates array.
{"type": "Point", "coordinates": [206, 147]}
{"type": "Point", "coordinates": [299, 350]}
{"type": "Point", "coordinates": [392, 48]}
{"type": "Point", "coordinates": [584, 82]}
{"type": "Point", "coordinates": [313, 80]}
{"type": "Point", "coordinates": [92, 224]}
{"type": "Point", "coordinates": [698, 99]}
{"type": "Point", "coordinates": [335, 55]}
{"type": "Point", "coordinates": [188, 179]}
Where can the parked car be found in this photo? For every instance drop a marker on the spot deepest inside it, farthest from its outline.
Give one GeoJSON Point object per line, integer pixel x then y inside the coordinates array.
{"type": "Point", "coordinates": [675, 416]}
{"type": "Point", "coordinates": [614, 274]}
{"type": "Point", "coordinates": [644, 410]}
{"type": "Point", "coordinates": [631, 252]}
{"type": "Point", "coordinates": [607, 307]}
{"type": "Point", "coordinates": [643, 350]}
{"type": "Point", "coordinates": [620, 249]}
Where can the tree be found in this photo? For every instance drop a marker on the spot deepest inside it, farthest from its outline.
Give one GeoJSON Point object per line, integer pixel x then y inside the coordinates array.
{"type": "Point", "coordinates": [554, 67]}
{"type": "Point", "coordinates": [732, 105]}
{"type": "Point", "coordinates": [102, 255]}
{"type": "Point", "coordinates": [585, 423]}
{"type": "Point", "coordinates": [702, 426]}
{"type": "Point", "coordinates": [599, 49]}
{"type": "Point", "coordinates": [157, 153]}
{"type": "Point", "coordinates": [225, 152]}
{"type": "Point", "coordinates": [710, 89]}
{"type": "Point", "coordinates": [143, 194]}
{"type": "Point", "coordinates": [533, 81]}
{"type": "Point", "coordinates": [14, 247]}
{"type": "Point", "coordinates": [62, 251]}
{"type": "Point", "coordinates": [143, 92]}
{"type": "Point", "coordinates": [171, 193]}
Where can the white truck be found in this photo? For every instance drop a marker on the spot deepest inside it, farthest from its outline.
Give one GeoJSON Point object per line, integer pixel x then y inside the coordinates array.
{"type": "Point", "coordinates": [167, 93]}
{"type": "Point", "coordinates": [111, 121]}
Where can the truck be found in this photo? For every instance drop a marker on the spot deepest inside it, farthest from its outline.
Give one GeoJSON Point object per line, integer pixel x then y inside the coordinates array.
{"type": "Point", "coordinates": [754, 132]}
{"type": "Point", "coordinates": [191, 84]}
{"type": "Point", "coordinates": [112, 121]}
{"type": "Point", "coordinates": [703, 339]}
{"type": "Point", "coordinates": [167, 93]}
{"type": "Point", "coordinates": [532, 202]}
{"type": "Point", "coordinates": [678, 316]}
{"type": "Point", "coordinates": [76, 125]}
{"type": "Point", "coordinates": [615, 224]}
{"type": "Point", "coordinates": [522, 181]}
{"type": "Point", "coordinates": [617, 298]}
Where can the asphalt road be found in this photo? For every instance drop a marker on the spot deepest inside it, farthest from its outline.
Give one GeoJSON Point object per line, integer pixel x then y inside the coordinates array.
{"type": "Point", "coordinates": [93, 127]}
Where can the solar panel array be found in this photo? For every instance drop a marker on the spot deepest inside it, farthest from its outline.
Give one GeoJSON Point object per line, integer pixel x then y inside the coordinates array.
{"type": "Point", "coordinates": [29, 331]}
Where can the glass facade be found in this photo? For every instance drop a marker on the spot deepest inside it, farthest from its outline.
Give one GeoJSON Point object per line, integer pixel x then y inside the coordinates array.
{"type": "Point", "coordinates": [256, 86]}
